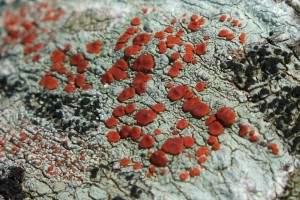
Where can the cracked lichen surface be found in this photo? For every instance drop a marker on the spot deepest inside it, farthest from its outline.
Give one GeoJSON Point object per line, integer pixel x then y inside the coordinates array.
{"type": "Point", "coordinates": [61, 140]}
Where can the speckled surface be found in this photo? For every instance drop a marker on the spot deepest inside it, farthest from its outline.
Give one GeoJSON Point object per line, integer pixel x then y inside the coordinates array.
{"type": "Point", "coordinates": [57, 144]}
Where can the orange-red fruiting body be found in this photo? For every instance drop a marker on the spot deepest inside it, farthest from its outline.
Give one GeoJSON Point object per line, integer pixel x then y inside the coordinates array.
{"type": "Point", "coordinates": [70, 88]}
{"type": "Point", "coordinates": [140, 81]}
{"type": "Point", "coordinates": [169, 29]}
{"type": "Point", "coordinates": [129, 109]}
{"type": "Point", "coordinates": [201, 21]}
{"type": "Point", "coordinates": [201, 49]}
{"type": "Point", "coordinates": [76, 59]}
{"type": "Point", "coordinates": [222, 18]}
{"type": "Point", "coordinates": [195, 172]}
{"type": "Point", "coordinates": [173, 146]}
{"type": "Point", "coordinates": [175, 55]}
{"type": "Point", "coordinates": [137, 166]}
{"type": "Point", "coordinates": [162, 47]}
{"type": "Point", "coordinates": [125, 131]}
{"type": "Point", "coordinates": [82, 66]}
{"type": "Point", "coordinates": [216, 146]}
{"type": "Point", "coordinates": [252, 132]}
{"type": "Point", "coordinates": [274, 148]}
{"type": "Point", "coordinates": [193, 25]}
{"type": "Point", "coordinates": [189, 95]}
{"type": "Point", "coordinates": [68, 47]}
{"type": "Point", "coordinates": [29, 38]}
{"type": "Point", "coordinates": [188, 57]}
{"type": "Point", "coordinates": [158, 108]}
{"type": "Point", "coordinates": [136, 21]}
{"type": "Point", "coordinates": [176, 93]}
{"type": "Point", "coordinates": [202, 159]}
{"type": "Point", "coordinates": [142, 39]}
{"type": "Point", "coordinates": [49, 82]}
{"type": "Point", "coordinates": [107, 78]}
{"type": "Point", "coordinates": [55, 66]}
{"type": "Point", "coordinates": [124, 38]}
{"type": "Point", "coordinates": [187, 105]}
{"type": "Point", "coordinates": [180, 32]}
{"type": "Point", "coordinates": [203, 150]}
{"type": "Point", "coordinates": [86, 87]}
{"type": "Point", "coordinates": [113, 136]}
{"type": "Point", "coordinates": [111, 122]}
{"type": "Point", "coordinates": [119, 111]}
{"type": "Point", "coordinates": [188, 141]}
{"type": "Point", "coordinates": [178, 65]}
{"type": "Point", "coordinates": [169, 85]}
{"type": "Point", "coordinates": [235, 22]}
{"type": "Point", "coordinates": [183, 176]}
{"type": "Point", "coordinates": [212, 139]}
{"type": "Point", "coordinates": [215, 128]}
{"type": "Point", "coordinates": [243, 130]}
{"type": "Point", "coordinates": [253, 138]}
{"type": "Point", "coordinates": [146, 142]}
{"type": "Point", "coordinates": [119, 46]}
{"type": "Point", "coordinates": [126, 94]}
{"type": "Point", "coordinates": [194, 17]}
{"type": "Point", "coordinates": [172, 40]}
{"type": "Point", "coordinates": [157, 132]}
{"type": "Point", "coordinates": [173, 72]}
{"type": "Point", "coordinates": [174, 21]}
{"type": "Point", "coordinates": [62, 70]}
{"type": "Point", "coordinates": [57, 56]}
{"type": "Point", "coordinates": [124, 162]}
{"type": "Point", "coordinates": [79, 80]}
{"type": "Point", "coordinates": [159, 159]}
{"type": "Point", "coordinates": [144, 62]}
{"type": "Point", "coordinates": [145, 117]}
{"type": "Point", "coordinates": [230, 36]}
{"type": "Point", "coordinates": [36, 58]}
{"type": "Point", "coordinates": [94, 47]}
{"type": "Point", "coordinates": [175, 132]}
{"type": "Point", "coordinates": [242, 38]}
{"type": "Point", "coordinates": [117, 73]}
{"type": "Point", "coordinates": [200, 86]}
{"type": "Point", "coordinates": [223, 33]}
{"type": "Point", "coordinates": [160, 35]}
{"type": "Point", "coordinates": [206, 37]}
{"type": "Point", "coordinates": [135, 133]}
{"type": "Point", "coordinates": [121, 64]}
{"type": "Point", "coordinates": [149, 175]}
{"type": "Point", "coordinates": [144, 10]}
{"type": "Point", "coordinates": [182, 124]}
{"type": "Point", "coordinates": [132, 50]}
{"type": "Point", "coordinates": [200, 110]}
{"type": "Point", "coordinates": [132, 30]}
{"type": "Point", "coordinates": [152, 169]}
{"type": "Point", "coordinates": [226, 116]}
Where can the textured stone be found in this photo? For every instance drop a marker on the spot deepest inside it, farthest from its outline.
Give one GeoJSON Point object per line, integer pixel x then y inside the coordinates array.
{"type": "Point", "coordinates": [97, 193]}
{"type": "Point", "coordinates": [56, 128]}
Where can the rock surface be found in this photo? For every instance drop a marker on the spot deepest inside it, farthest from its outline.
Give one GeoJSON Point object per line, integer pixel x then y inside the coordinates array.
{"type": "Point", "coordinates": [150, 99]}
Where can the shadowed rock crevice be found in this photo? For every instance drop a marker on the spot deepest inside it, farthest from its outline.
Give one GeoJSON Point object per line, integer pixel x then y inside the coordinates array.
{"type": "Point", "coordinates": [10, 185]}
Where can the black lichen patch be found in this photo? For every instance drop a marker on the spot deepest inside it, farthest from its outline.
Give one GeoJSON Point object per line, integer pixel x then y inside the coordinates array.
{"type": "Point", "coordinates": [265, 65]}
{"type": "Point", "coordinates": [10, 185]}
{"type": "Point", "coordinates": [11, 84]}
{"type": "Point", "coordinates": [55, 108]}
{"type": "Point", "coordinates": [135, 192]}
{"type": "Point", "coordinates": [94, 171]}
